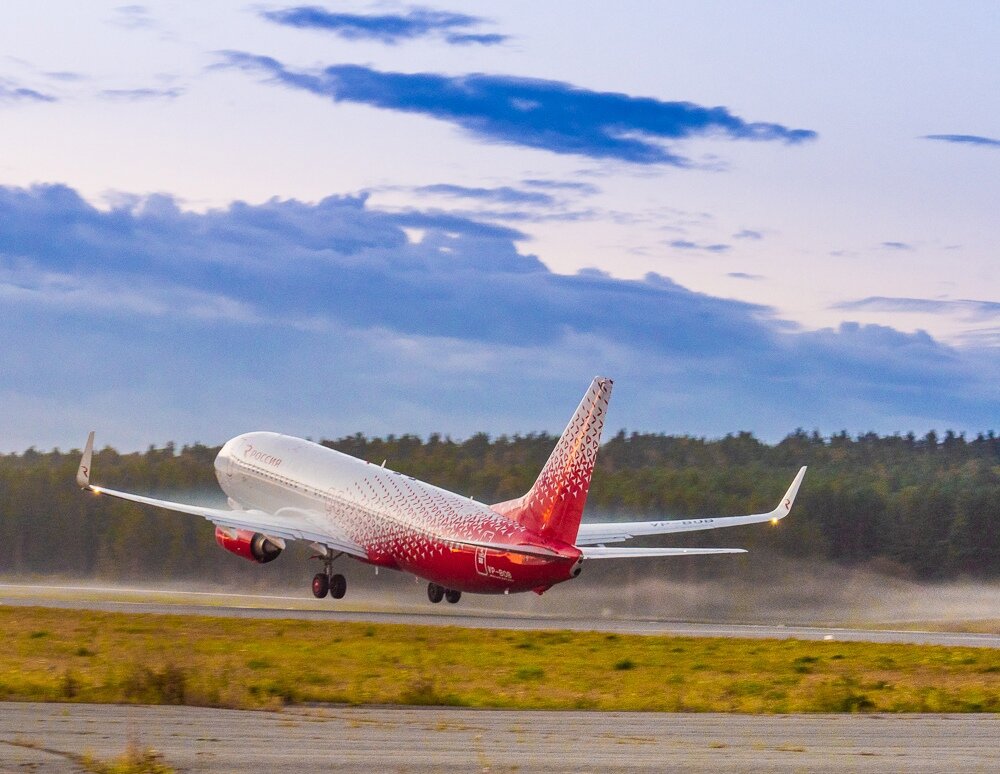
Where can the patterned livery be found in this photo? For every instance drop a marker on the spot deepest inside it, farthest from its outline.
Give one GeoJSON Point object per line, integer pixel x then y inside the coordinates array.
{"type": "Point", "coordinates": [554, 505]}
{"type": "Point", "coordinates": [283, 488]}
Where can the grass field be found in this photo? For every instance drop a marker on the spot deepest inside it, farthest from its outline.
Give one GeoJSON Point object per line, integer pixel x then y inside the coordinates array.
{"type": "Point", "coordinates": [69, 655]}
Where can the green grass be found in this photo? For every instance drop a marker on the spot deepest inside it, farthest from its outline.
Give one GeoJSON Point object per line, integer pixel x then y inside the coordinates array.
{"type": "Point", "coordinates": [133, 761]}
{"type": "Point", "coordinates": [69, 655]}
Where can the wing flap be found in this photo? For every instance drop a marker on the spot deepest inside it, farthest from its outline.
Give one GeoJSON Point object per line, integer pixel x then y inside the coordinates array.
{"type": "Point", "coordinates": [509, 548]}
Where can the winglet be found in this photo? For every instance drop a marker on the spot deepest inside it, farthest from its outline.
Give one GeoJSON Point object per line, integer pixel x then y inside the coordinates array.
{"type": "Point", "coordinates": [83, 472]}
{"type": "Point", "coordinates": [785, 506]}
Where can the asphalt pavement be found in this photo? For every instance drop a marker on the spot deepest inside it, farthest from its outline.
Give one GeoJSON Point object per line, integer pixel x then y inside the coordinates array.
{"type": "Point", "coordinates": [46, 738]}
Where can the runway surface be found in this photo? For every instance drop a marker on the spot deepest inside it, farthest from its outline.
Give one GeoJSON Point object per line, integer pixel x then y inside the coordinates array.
{"type": "Point", "coordinates": [271, 606]}
{"type": "Point", "coordinates": [48, 738]}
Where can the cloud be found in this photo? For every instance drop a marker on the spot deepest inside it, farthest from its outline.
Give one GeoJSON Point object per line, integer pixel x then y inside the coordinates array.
{"type": "Point", "coordinates": [584, 189]}
{"type": "Point", "coordinates": [386, 28]}
{"type": "Point", "coordinates": [748, 234]}
{"type": "Point", "coordinates": [325, 318]}
{"type": "Point", "coordinates": [482, 214]}
{"type": "Point", "coordinates": [530, 112]}
{"type": "Point", "coordinates": [468, 39]}
{"type": "Point", "coordinates": [11, 93]}
{"type": "Point", "coordinates": [964, 139]}
{"type": "Point", "coordinates": [140, 95]}
{"type": "Point", "coordinates": [970, 308]}
{"type": "Point", "coordinates": [132, 17]}
{"type": "Point", "coordinates": [744, 276]}
{"type": "Point", "coordinates": [500, 194]}
{"type": "Point", "coordinates": [897, 245]}
{"type": "Point", "coordinates": [65, 76]}
{"type": "Point", "coordinates": [22, 282]}
{"type": "Point", "coordinates": [685, 244]}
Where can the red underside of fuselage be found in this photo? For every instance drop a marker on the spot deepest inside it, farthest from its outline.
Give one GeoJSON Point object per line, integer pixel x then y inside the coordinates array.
{"type": "Point", "coordinates": [487, 572]}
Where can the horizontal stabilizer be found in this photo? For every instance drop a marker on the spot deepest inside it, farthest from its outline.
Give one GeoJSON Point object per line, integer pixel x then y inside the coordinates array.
{"type": "Point", "coordinates": [600, 552]}
{"type": "Point", "coordinates": [618, 531]}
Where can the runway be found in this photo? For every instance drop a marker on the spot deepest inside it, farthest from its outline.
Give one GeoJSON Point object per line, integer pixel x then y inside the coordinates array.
{"type": "Point", "coordinates": [47, 738]}
{"type": "Point", "coordinates": [272, 606]}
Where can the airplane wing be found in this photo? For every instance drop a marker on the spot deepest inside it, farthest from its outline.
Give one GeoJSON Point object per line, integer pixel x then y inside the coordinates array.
{"type": "Point", "coordinates": [616, 532]}
{"type": "Point", "coordinates": [284, 524]}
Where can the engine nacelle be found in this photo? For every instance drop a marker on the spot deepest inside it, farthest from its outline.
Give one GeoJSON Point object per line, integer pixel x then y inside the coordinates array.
{"type": "Point", "coordinates": [249, 545]}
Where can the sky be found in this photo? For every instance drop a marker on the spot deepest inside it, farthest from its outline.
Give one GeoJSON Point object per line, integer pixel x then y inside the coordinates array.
{"type": "Point", "coordinates": [390, 218]}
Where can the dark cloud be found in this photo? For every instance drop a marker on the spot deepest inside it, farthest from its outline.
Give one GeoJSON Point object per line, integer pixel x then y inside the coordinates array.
{"type": "Point", "coordinates": [325, 318]}
{"type": "Point", "coordinates": [686, 244]}
{"type": "Point", "coordinates": [744, 276]}
{"type": "Point", "coordinates": [346, 263]}
{"type": "Point", "coordinates": [386, 28]}
{"type": "Point", "coordinates": [897, 245]}
{"type": "Point", "coordinates": [501, 194]}
{"type": "Point", "coordinates": [535, 113]}
{"type": "Point", "coordinates": [964, 139]}
{"type": "Point", "coordinates": [748, 234]}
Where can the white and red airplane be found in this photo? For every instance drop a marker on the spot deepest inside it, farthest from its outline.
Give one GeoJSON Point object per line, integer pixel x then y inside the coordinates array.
{"type": "Point", "coordinates": [282, 488]}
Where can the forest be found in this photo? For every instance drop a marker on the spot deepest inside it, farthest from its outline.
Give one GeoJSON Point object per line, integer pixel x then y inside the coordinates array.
{"type": "Point", "coordinates": [920, 507]}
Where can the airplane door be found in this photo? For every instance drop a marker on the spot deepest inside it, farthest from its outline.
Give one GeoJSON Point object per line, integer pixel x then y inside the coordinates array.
{"type": "Point", "coordinates": [481, 567]}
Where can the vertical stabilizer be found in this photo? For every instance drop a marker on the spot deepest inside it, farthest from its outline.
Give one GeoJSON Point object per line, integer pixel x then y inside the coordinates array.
{"type": "Point", "coordinates": [553, 507]}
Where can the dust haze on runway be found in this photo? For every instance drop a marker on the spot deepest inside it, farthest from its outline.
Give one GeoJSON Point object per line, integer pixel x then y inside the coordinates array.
{"type": "Point", "coordinates": [751, 588]}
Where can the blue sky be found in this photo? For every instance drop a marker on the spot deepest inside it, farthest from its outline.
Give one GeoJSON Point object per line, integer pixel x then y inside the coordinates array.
{"type": "Point", "coordinates": [321, 219]}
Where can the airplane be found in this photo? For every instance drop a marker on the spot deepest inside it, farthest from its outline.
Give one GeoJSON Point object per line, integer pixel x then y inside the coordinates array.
{"type": "Point", "coordinates": [282, 488]}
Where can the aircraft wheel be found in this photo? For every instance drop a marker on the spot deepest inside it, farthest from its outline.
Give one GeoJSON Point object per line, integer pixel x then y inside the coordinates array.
{"type": "Point", "coordinates": [435, 593]}
{"type": "Point", "coordinates": [452, 596]}
{"type": "Point", "coordinates": [338, 586]}
{"type": "Point", "coordinates": [321, 584]}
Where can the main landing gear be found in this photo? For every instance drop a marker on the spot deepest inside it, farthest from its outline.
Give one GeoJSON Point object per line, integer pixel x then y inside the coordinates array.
{"type": "Point", "coordinates": [327, 582]}
{"type": "Point", "coordinates": [436, 592]}
{"type": "Point", "coordinates": [336, 585]}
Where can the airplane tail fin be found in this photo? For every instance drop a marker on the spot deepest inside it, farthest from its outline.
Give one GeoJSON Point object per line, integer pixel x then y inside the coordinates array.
{"type": "Point", "coordinates": [553, 507]}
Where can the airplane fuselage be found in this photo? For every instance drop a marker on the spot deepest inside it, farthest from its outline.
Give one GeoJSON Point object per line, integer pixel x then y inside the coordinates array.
{"type": "Point", "coordinates": [401, 522]}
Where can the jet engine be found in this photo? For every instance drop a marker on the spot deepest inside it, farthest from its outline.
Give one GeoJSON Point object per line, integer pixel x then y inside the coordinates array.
{"type": "Point", "coordinates": [249, 545]}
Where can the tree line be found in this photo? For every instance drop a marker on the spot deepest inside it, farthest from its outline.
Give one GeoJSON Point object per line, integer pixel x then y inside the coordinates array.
{"type": "Point", "coordinates": [925, 507]}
